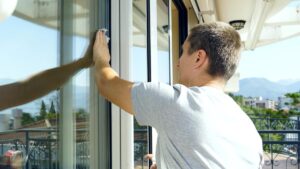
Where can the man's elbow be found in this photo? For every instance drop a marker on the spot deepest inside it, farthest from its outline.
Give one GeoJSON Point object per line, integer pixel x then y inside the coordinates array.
{"type": "Point", "coordinates": [103, 87]}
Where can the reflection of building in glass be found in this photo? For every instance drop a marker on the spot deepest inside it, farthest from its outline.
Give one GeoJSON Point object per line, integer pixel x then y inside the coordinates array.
{"type": "Point", "coordinates": [17, 118]}
{"type": "Point", "coordinates": [38, 142]}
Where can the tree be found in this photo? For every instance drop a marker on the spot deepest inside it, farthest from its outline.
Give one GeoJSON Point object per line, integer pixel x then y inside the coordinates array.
{"type": "Point", "coordinates": [43, 111]}
{"type": "Point", "coordinates": [52, 108]}
{"type": "Point", "coordinates": [239, 99]}
{"type": "Point", "coordinates": [27, 119]}
{"type": "Point", "coordinates": [81, 113]}
{"type": "Point", "coordinates": [295, 98]}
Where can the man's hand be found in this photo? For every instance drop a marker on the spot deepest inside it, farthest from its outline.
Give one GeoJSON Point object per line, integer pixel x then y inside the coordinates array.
{"type": "Point", "coordinates": [100, 50]}
{"type": "Point", "coordinates": [109, 84]}
{"type": "Point", "coordinates": [87, 59]}
{"type": "Point", "coordinates": [150, 157]}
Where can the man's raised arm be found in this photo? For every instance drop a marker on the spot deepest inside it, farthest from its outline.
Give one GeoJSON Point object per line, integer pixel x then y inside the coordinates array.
{"type": "Point", "coordinates": [110, 86]}
{"type": "Point", "coordinates": [40, 84]}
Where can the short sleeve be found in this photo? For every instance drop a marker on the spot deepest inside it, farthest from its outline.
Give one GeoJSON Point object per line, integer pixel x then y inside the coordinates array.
{"type": "Point", "coordinates": [150, 100]}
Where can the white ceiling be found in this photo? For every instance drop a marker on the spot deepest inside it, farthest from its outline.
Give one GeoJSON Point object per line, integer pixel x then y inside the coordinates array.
{"type": "Point", "coordinates": [267, 21]}
{"type": "Point", "coordinates": [140, 23]}
{"type": "Point", "coordinates": [45, 13]}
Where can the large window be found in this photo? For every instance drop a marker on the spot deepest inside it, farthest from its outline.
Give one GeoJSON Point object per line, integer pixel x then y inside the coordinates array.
{"type": "Point", "coordinates": [53, 131]}
{"type": "Point", "coordinates": [142, 64]}
{"type": "Point", "coordinates": [74, 122]}
{"type": "Point", "coordinates": [29, 41]}
{"type": "Point", "coordinates": [151, 57]}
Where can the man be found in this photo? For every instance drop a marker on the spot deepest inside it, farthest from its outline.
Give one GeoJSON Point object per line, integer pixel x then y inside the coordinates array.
{"type": "Point", "coordinates": [40, 84]}
{"type": "Point", "coordinates": [198, 125]}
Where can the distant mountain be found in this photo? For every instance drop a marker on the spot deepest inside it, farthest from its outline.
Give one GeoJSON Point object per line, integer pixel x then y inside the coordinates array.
{"type": "Point", "coordinates": [6, 81]}
{"type": "Point", "coordinates": [267, 89]}
{"type": "Point", "coordinates": [294, 87]}
{"type": "Point", "coordinates": [287, 81]}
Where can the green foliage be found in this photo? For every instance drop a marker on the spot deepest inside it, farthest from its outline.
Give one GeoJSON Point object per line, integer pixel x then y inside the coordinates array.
{"type": "Point", "coordinates": [27, 119]}
{"type": "Point", "coordinates": [137, 126]}
{"type": "Point", "coordinates": [237, 98]}
{"type": "Point", "coordinates": [52, 108]}
{"type": "Point", "coordinates": [52, 116]}
{"type": "Point", "coordinates": [81, 113]}
{"type": "Point", "coordinates": [43, 111]}
{"type": "Point", "coordinates": [295, 97]}
{"type": "Point", "coordinates": [44, 114]}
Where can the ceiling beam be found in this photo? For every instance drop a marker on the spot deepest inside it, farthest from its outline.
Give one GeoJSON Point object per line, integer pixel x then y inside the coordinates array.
{"type": "Point", "coordinates": [258, 19]}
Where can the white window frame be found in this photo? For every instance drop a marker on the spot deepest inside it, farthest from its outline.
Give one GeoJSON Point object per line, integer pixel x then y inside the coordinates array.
{"type": "Point", "coordinates": [122, 122]}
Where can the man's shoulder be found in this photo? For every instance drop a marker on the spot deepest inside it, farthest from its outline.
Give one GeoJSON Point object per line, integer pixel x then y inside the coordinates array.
{"type": "Point", "coordinates": [159, 86]}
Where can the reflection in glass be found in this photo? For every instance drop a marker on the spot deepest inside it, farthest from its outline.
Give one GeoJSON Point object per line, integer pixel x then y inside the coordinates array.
{"type": "Point", "coordinates": [139, 74]}
{"type": "Point", "coordinates": [163, 41]}
{"type": "Point", "coordinates": [74, 125]}
{"type": "Point", "coordinates": [29, 44]}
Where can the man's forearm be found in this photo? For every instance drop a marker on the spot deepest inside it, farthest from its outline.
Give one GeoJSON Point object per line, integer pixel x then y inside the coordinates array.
{"type": "Point", "coordinates": [104, 74]}
{"type": "Point", "coordinates": [51, 79]}
{"type": "Point", "coordinates": [112, 87]}
{"type": "Point", "coordinates": [38, 85]}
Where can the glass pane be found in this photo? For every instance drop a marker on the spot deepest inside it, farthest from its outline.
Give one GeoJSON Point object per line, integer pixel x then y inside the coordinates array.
{"type": "Point", "coordinates": [139, 74]}
{"type": "Point", "coordinates": [81, 108]}
{"type": "Point", "coordinates": [29, 44]}
{"type": "Point", "coordinates": [139, 57]}
{"type": "Point", "coordinates": [163, 41]}
{"type": "Point", "coordinates": [74, 125]}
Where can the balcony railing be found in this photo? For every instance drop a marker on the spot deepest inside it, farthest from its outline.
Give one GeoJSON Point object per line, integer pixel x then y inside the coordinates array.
{"type": "Point", "coordinates": [38, 149]}
{"type": "Point", "coordinates": [281, 141]}
{"type": "Point", "coordinates": [39, 146]}
{"type": "Point", "coordinates": [140, 148]}
{"type": "Point", "coordinates": [280, 136]}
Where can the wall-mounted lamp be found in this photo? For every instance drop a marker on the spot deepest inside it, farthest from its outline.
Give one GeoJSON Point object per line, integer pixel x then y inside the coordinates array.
{"type": "Point", "coordinates": [7, 7]}
{"type": "Point", "coordinates": [237, 24]}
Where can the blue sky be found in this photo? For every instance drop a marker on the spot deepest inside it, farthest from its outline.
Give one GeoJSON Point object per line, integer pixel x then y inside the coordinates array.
{"type": "Point", "coordinates": [277, 61]}
{"type": "Point", "coordinates": [27, 48]}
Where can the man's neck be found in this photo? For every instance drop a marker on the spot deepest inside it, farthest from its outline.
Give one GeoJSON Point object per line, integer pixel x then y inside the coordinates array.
{"type": "Point", "coordinates": [218, 83]}
{"type": "Point", "coordinates": [215, 84]}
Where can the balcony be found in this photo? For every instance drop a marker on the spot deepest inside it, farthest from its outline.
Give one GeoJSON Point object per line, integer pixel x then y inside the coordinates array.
{"type": "Point", "coordinates": [38, 148]}
{"type": "Point", "coordinates": [281, 141]}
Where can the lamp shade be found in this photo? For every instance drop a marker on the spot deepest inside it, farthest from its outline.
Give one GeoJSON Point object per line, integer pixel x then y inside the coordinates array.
{"type": "Point", "coordinates": [7, 7]}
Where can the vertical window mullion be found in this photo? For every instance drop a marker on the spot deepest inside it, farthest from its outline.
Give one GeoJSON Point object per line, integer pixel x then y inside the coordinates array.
{"type": "Point", "coordinates": [152, 60]}
{"type": "Point", "coordinates": [115, 63]}
{"type": "Point", "coordinates": [67, 151]}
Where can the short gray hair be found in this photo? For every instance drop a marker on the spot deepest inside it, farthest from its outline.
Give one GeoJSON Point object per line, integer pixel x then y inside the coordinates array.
{"type": "Point", "coordinates": [222, 44]}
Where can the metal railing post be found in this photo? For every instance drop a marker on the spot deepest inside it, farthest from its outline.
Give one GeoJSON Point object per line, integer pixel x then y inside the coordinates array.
{"type": "Point", "coordinates": [49, 150]}
{"type": "Point", "coordinates": [2, 152]}
{"type": "Point", "coordinates": [298, 144]}
{"type": "Point", "coordinates": [27, 148]}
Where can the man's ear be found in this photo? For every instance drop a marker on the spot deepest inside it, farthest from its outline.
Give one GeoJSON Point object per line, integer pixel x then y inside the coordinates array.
{"type": "Point", "coordinates": [200, 58]}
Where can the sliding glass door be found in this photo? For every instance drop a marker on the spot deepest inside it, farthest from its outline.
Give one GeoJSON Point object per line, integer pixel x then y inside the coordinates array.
{"type": "Point", "coordinates": [69, 127]}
